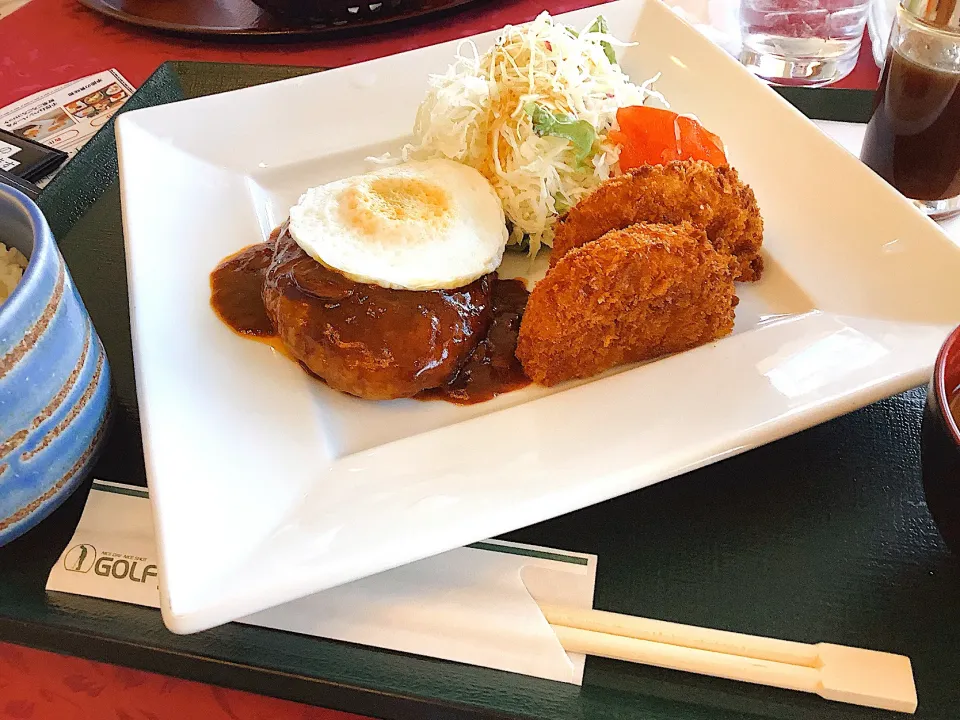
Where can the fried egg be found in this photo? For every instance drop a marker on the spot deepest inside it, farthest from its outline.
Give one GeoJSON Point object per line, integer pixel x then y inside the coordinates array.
{"type": "Point", "coordinates": [427, 225]}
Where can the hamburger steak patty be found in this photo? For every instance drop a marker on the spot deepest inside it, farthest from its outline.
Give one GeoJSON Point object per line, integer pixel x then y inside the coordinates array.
{"type": "Point", "coordinates": [366, 340]}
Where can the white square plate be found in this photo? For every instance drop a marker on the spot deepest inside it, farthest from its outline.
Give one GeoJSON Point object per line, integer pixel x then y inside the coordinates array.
{"type": "Point", "coordinates": [268, 486]}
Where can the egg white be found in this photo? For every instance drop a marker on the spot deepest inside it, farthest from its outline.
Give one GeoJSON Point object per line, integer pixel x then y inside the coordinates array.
{"type": "Point", "coordinates": [427, 225]}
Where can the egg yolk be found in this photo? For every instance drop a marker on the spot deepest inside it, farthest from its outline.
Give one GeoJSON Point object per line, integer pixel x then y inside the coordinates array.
{"type": "Point", "coordinates": [374, 207]}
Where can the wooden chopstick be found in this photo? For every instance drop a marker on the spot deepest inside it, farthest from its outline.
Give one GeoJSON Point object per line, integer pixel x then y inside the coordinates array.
{"type": "Point", "coordinates": [721, 641]}
{"type": "Point", "coordinates": [835, 672]}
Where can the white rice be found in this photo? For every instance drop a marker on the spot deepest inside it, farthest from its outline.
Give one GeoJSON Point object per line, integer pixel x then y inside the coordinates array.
{"type": "Point", "coordinates": [12, 265]}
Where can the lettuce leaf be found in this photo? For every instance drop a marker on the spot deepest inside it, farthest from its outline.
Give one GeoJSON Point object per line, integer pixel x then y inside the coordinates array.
{"type": "Point", "coordinates": [580, 133]}
{"type": "Point", "coordinates": [600, 25]}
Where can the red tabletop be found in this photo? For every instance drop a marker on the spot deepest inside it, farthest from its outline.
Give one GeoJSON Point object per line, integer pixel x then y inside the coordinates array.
{"type": "Point", "coordinates": [49, 42]}
{"type": "Point", "coordinates": [37, 685]}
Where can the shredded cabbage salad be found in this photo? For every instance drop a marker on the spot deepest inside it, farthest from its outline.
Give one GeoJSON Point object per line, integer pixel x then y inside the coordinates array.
{"type": "Point", "coordinates": [532, 115]}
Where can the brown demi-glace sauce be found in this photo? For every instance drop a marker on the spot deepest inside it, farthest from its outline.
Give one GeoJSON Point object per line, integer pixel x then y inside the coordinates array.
{"type": "Point", "coordinates": [236, 285]}
{"type": "Point", "coordinates": [493, 368]}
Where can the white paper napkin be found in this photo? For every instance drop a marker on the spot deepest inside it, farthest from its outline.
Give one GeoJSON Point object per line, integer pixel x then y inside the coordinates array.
{"type": "Point", "coordinates": [474, 605]}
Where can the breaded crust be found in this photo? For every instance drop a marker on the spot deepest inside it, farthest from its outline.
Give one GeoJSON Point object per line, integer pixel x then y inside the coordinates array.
{"type": "Point", "coordinates": [631, 295]}
{"type": "Point", "coordinates": [712, 198]}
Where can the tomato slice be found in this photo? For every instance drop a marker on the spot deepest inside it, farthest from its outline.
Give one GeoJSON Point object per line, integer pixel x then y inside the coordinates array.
{"type": "Point", "coordinates": [652, 136]}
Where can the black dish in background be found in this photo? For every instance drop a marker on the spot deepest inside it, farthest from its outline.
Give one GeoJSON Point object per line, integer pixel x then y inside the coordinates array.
{"type": "Point", "coordinates": [244, 19]}
{"type": "Point", "coordinates": [822, 536]}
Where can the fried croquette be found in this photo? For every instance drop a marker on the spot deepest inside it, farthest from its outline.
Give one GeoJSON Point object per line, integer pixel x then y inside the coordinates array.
{"type": "Point", "coordinates": [712, 198]}
{"type": "Point", "coordinates": [631, 295]}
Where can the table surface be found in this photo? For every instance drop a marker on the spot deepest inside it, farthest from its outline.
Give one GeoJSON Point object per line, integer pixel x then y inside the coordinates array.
{"type": "Point", "coordinates": [52, 41]}
{"type": "Point", "coordinates": [49, 42]}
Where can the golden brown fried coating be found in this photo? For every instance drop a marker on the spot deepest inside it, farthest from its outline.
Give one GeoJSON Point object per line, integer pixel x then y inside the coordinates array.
{"type": "Point", "coordinates": [633, 294]}
{"type": "Point", "coordinates": [710, 197]}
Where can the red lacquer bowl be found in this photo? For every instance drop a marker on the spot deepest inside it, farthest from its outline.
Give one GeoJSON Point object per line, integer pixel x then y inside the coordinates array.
{"type": "Point", "coordinates": [941, 444]}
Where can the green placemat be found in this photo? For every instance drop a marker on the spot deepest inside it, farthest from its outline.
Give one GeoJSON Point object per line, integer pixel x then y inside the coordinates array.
{"type": "Point", "coordinates": [822, 536]}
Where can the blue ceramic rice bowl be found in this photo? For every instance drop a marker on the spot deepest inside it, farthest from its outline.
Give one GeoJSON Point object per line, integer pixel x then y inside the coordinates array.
{"type": "Point", "coordinates": [54, 377]}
